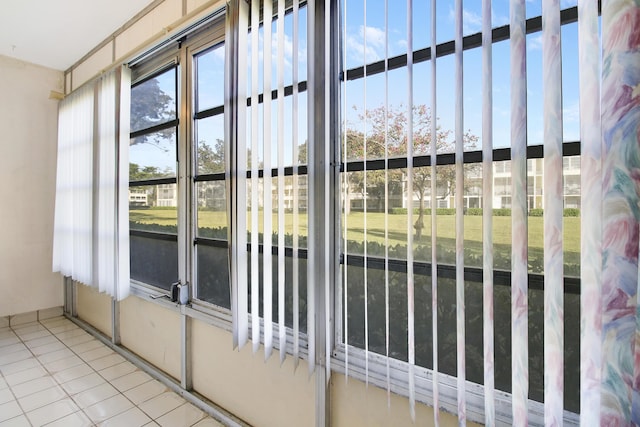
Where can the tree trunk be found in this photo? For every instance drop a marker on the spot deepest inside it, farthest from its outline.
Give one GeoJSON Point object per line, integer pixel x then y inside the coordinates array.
{"type": "Point", "coordinates": [419, 225]}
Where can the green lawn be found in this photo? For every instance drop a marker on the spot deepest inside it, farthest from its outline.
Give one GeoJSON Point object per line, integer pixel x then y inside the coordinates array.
{"type": "Point", "coordinates": [397, 235]}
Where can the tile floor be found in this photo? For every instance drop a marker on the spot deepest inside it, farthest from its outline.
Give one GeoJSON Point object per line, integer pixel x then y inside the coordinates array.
{"type": "Point", "coordinates": [54, 373]}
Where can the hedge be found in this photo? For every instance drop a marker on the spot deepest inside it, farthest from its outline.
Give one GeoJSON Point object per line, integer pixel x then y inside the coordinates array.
{"type": "Point", "coordinates": [569, 212]}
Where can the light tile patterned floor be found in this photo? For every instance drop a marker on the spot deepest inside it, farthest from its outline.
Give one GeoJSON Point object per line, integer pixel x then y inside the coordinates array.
{"type": "Point", "coordinates": [53, 373]}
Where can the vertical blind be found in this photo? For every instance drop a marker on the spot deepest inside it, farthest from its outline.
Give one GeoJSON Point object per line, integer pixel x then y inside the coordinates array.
{"type": "Point", "coordinates": [264, 140]}
{"type": "Point", "coordinates": [609, 78]}
{"type": "Point", "coordinates": [91, 223]}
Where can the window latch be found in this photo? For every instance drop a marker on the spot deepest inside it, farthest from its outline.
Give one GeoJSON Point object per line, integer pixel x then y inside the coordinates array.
{"type": "Point", "coordinates": [180, 292]}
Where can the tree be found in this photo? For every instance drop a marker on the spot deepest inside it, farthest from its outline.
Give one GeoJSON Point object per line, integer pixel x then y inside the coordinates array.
{"type": "Point", "coordinates": [150, 105]}
{"type": "Point", "coordinates": [136, 173]}
{"type": "Point", "coordinates": [211, 158]}
{"type": "Point", "coordinates": [387, 130]}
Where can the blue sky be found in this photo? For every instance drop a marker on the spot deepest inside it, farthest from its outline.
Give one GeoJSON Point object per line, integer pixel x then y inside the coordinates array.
{"type": "Point", "coordinates": [374, 31]}
{"type": "Point", "coordinates": [210, 77]}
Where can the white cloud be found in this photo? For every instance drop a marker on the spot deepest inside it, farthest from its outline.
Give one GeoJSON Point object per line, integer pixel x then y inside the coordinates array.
{"type": "Point", "coordinates": [472, 22]}
{"type": "Point", "coordinates": [571, 112]}
{"type": "Point", "coordinates": [568, 3]}
{"type": "Point", "coordinates": [288, 50]}
{"type": "Point", "coordinates": [535, 43]}
{"type": "Point", "coordinates": [498, 20]}
{"type": "Point", "coordinates": [375, 43]}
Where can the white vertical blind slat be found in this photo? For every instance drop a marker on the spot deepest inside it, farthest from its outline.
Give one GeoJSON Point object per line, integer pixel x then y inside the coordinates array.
{"type": "Point", "coordinates": [590, 212]}
{"type": "Point", "coordinates": [519, 242]}
{"type": "Point", "coordinates": [553, 214]}
{"type": "Point", "coordinates": [255, 183]}
{"type": "Point", "coordinates": [328, 217]}
{"type": "Point", "coordinates": [346, 203]}
{"type": "Point", "coordinates": [364, 183]}
{"type": "Point", "coordinates": [459, 200]}
{"type": "Point", "coordinates": [386, 198]}
{"type": "Point", "coordinates": [267, 235]}
{"type": "Point", "coordinates": [434, 222]}
{"type": "Point", "coordinates": [410, 282]}
{"type": "Point", "coordinates": [242, 165]}
{"type": "Point", "coordinates": [282, 333]}
{"type": "Point", "coordinates": [487, 214]}
{"type": "Point", "coordinates": [296, 194]}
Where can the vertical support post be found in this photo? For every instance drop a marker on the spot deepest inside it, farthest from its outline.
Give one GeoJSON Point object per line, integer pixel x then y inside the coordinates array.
{"type": "Point", "coordinates": [322, 83]}
{"type": "Point", "coordinates": [69, 297]}
{"type": "Point", "coordinates": [186, 378]}
{"type": "Point", "coordinates": [186, 211]}
{"type": "Point", "coordinates": [115, 321]}
{"type": "Point", "coordinates": [74, 298]}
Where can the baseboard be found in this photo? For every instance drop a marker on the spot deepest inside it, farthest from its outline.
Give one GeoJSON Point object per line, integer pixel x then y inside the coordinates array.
{"type": "Point", "coordinates": [30, 316]}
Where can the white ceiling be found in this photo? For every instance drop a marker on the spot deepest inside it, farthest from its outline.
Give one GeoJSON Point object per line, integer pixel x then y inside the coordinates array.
{"type": "Point", "coordinates": [57, 33]}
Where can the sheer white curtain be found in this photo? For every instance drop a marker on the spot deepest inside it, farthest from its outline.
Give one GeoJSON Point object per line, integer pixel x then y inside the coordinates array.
{"type": "Point", "coordinates": [112, 215]}
{"type": "Point", "coordinates": [73, 237]}
{"type": "Point", "coordinates": [91, 239]}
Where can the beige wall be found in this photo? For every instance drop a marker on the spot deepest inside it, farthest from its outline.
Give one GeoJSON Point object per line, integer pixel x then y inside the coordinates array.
{"type": "Point", "coordinates": [152, 332]}
{"type": "Point", "coordinates": [28, 124]}
{"type": "Point", "coordinates": [261, 393]}
{"type": "Point", "coordinates": [94, 308]}
{"type": "Point", "coordinates": [138, 35]}
{"type": "Point", "coordinates": [354, 404]}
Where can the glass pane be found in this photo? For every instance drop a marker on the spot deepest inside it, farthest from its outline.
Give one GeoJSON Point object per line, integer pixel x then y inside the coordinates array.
{"type": "Point", "coordinates": [153, 155]}
{"type": "Point", "coordinates": [535, 125]}
{"type": "Point", "coordinates": [210, 145]}
{"type": "Point", "coordinates": [213, 275]}
{"type": "Point", "coordinates": [212, 205]}
{"type": "Point", "coordinates": [154, 208]}
{"type": "Point", "coordinates": [571, 220]}
{"type": "Point", "coordinates": [302, 289]}
{"type": "Point", "coordinates": [154, 101]}
{"type": "Point", "coordinates": [154, 261]}
{"type": "Point", "coordinates": [210, 78]}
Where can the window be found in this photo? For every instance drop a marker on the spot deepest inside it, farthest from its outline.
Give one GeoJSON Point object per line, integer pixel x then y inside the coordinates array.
{"type": "Point", "coordinates": [387, 224]}
{"type": "Point", "coordinates": [153, 190]}
{"type": "Point", "coordinates": [212, 255]}
{"type": "Point", "coordinates": [174, 136]}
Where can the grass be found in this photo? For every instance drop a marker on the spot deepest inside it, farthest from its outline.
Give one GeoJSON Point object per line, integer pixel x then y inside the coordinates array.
{"type": "Point", "coordinates": [397, 234]}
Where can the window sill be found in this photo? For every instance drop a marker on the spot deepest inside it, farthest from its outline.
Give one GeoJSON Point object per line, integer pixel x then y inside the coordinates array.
{"type": "Point", "coordinates": [447, 388]}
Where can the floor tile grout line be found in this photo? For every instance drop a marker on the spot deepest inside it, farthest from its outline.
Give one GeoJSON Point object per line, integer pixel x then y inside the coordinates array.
{"type": "Point", "coordinates": [63, 322]}
{"type": "Point", "coordinates": [39, 363]}
{"type": "Point", "coordinates": [107, 380]}
{"type": "Point", "coordinates": [43, 367]}
{"type": "Point", "coordinates": [50, 374]}
{"type": "Point", "coordinates": [96, 372]}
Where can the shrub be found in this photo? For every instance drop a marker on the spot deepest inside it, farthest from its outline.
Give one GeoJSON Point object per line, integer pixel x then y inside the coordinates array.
{"type": "Point", "coordinates": [502, 212]}
{"type": "Point", "coordinates": [572, 212]}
